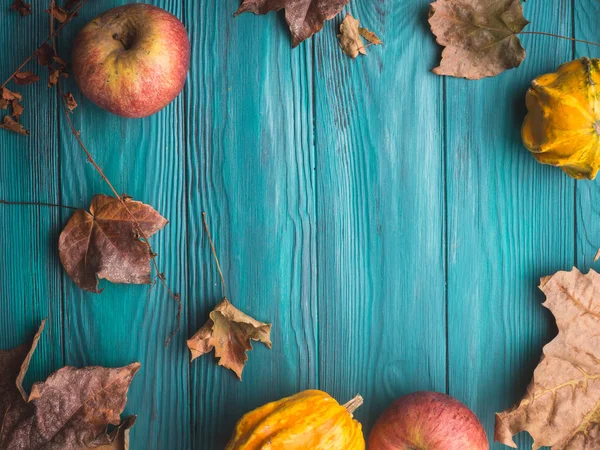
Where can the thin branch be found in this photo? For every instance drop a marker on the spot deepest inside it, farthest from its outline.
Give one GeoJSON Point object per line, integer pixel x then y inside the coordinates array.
{"type": "Point", "coordinates": [560, 37]}
{"type": "Point", "coordinates": [214, 252]}
{"type": "Point", "coordinates": [51, 36]}
{"type": "Point", "coordinates": [53, 205]}
{"type": "Point", "coordinates": [77, 134]}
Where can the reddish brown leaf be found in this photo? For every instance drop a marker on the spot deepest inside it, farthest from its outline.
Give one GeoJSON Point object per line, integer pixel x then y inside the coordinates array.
{"type": "Point", "coordinates": [21, 7]}
{"type": "Point", "coordinates": [24, 78]}
{"type": "Point", "coordinates": [104, 243]}
{"type": "Point", "coordinates": [304, 17]}
{"type": "Point", "coordinates": [16, 109]}
{"type": "Point", "coordinates": [58, 60]}
{"type": "Point", "coordinates": [479, 36]}
{"type": "Point", "coordinates": [70, 101]}
{"type": "Point", "coordinates": [90, 399]}
{"type": "Point", "coordinates": [10, 95]}
{"type": "Point", "coordinates": [11, 124]}
{"type": "Point", "coordinates": [229, 331]}
{"type": "Point", "coordinates": [70, 4]}
{"type": "Point", "coordinates": [57, 12]}
{"type": "Point", "coordinates": [45, 54]}
{"type": "Point", "coordinates": [562, 404]}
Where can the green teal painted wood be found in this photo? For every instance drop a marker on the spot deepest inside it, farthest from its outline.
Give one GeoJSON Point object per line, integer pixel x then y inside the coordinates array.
{"type": "Point", "coordinates": [30, 286]}
{"type": "Point", "coordinates": [387, 221]}
{"type": "Point", "coordinates": [250, 162]}
{"type": "Point", "coordinates": [510, 222]}
{"type": "Point", "coordinates": [380, 211]}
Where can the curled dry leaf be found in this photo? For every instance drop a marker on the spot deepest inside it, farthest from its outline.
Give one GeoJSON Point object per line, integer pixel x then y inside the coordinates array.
{"type": "Point", "coordinates": [11, 124]}
{"type": "Point", "coordinates": [70, 101]}
{"type": "Point", "coordinates": [21, 7]}
{"type": "Point", "coordinates": [561, 408]}
{"type": "Point", "coordinates": [350, 37]}
{"type": "Point", "coordinates": [44, 54]}
{"type": "Point", "coordinates": [16, 109]}
{"type": "Point", "coordinates": [229, 331]}
{"type": "Point", "coordinates": [90, 399]}
{"type": "Point", "coordinates": [104, 243]}
{"type": "Point", "coordinates": [57, 12]}
{"type": "Point", "coordinates": [479, 36]}
{"type": "Point", "coordinates": [24, 78]}
{"type": "Point", "coordinates": [304, 17]}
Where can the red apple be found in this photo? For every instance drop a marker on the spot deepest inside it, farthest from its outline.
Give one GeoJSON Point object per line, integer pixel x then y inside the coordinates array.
{"type": "Point", "coordinates": [132, 60]}
{"type": "Point", "coordinates": [428, 421]}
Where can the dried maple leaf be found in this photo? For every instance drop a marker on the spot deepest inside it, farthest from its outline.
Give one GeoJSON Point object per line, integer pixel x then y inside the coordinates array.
{"type": "Point", "coordinates": [304, 17]}
{"type": "Point", "coordinates": [70, 101]}
{"type": "Point", "coordinates": [57, 12]}
{"type": "Point", "coordinates": [561, 408]}
{"type": "Point", "coordinates": [44, 54]}
{"type": "Point", "coordinates": [24, 78]}
{"type": "Point", "coordinates": [479, 36]}
{"type": "Point", "coordinates": [21, 7]}
{"type": "Point", "coordinates": [229, 331]}
{"type": "Point", "coordinates": [70, 410]}
{"type": "Point", "coordinates": [104, 243]}
{"type": "Point", "coordinates": [11, 124]}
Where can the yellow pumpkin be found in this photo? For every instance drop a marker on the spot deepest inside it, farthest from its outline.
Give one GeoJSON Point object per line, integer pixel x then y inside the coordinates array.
{"type": "Point", "coordinates": [309, 420]}
{"type": "Point", "coordinates": [562, 126]}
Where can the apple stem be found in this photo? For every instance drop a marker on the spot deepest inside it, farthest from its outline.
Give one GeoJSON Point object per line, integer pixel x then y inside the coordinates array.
{"type": "Point", "coordinates": [118, 37]}
{"type": "Point", "coordinates": [354, 404]}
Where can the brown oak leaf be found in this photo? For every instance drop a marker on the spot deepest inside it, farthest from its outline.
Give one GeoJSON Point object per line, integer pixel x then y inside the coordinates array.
{"type": "Point", "coordinates": [90, 399]}
{"type": "Point", "coordinates": [21, 7]}
{"type": "Point", "coordinates": [229, 331]}
{"type": "Point", "coordinates": [104, 242]}
{"type": "Point", "coordinates": [304, 17]}
{"type": "Point", "coordinates": [479, 36]}
{"type": "Point", "coordinates": [561, 408]}
{"type": "Point", "coordinates": [24, 78]}
{"type": "Point", "coordinates": [70, 101]}
{"type": "Point", "coordinates": [11, 124]}
{"type": "Point", "coordinates": [57, 12]}
{"type": "Point", "coordinates": [44, 54]}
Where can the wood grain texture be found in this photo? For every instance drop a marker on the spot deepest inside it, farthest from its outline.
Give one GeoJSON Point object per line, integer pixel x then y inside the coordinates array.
{"type": "Point", "coordinates": [388, 222]}
{"type": "Point", "coordinates": [380, 211]}
{"type": "Point", "coordinates": [250, 162]}
{"type": "Point", "coordinates": [30, 286]}
{"type": "Point", "coordinates": [510, 222]}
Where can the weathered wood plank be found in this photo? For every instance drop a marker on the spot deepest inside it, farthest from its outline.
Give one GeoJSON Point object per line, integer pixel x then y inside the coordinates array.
{"type": "Point", "coordinates": [510, 221]}
{"type": "Point", "coordinates": [144, 158]}
{"type": "Point", "coordinates": [380, 180]}
{"type": "Point", "coordinates": [30, 286]}
{"type": "Point", "coordinates": [250, 163]}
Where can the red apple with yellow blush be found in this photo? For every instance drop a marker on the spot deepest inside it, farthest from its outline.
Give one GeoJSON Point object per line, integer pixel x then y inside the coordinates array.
{"type": "Point", "coordinates": [132, 60]}
{"type": "Point", "coordinates": [428, 421]}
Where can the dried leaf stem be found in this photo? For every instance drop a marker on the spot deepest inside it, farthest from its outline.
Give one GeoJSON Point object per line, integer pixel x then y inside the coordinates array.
{"type": "Point", "coordinates": [541, 33]}
{"type": "Point", "coordinates": [53, 33]}
{"type": "Point", "coordinates": [353, 404]}
{"type": "Point", "coordinates": [52, 205]}
{"type": "Point", "coordinates": [214, 252]}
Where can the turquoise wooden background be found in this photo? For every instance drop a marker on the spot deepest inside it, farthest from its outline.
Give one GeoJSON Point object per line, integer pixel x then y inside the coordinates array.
{"type": "Point", "coordinates": [387, 221]}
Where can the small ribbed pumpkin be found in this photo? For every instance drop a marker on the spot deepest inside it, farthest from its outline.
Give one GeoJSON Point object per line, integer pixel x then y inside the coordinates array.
{"type": "Point", "coordinates": [562, 127]}
{"type": "Point", "coordinates": [309, 420]}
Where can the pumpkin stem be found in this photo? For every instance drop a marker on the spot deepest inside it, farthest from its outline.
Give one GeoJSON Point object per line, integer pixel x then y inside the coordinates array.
{"type": "Point", "coordinates": [353, 404]}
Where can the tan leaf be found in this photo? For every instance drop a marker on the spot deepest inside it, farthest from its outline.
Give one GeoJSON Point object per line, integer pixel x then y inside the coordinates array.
{"type": "Point", "coordinates": [11, 124]}
{"type": "Point", "coordinates": [16, 109]}
{"type": "Point", "coordinates": [24, 78]}
{"type": "Point", "coordinates": [53, 77]}
{"type": "Point", "coordinates": [479, 36]}
{"type": "Point", "coordinates": [561, 408]}
{"type": "Point", "coordinates": [70, 101]}
{"type": "Point", "coordinates": [370, 36]}
{"type": "Point", "coordinates": [57, 12]}
{"type": "Point", "coordinates": [68, 411]}
{"type": "Point", "coordinates": [350, 40]}
{"type": "Point", "coordinates": [304, 17]}
{"type": "Point", "coordinates": [229, 331]}
{"type": "Point", "coordinates": [21, 7]}
{"type": "Point", "coordinates": [104, 243]}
